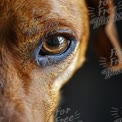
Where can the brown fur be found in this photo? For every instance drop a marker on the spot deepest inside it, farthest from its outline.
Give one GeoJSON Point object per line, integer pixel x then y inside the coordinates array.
{"type": "Point", "coordinates": [29, 93]}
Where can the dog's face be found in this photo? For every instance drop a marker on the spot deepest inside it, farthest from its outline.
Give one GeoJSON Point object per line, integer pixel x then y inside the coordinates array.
{"type": "Point", "coordinates": [41, 44]}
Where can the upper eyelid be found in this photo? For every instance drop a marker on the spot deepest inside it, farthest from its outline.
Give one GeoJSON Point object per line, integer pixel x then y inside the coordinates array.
{"type": "Point", "coordinates": [66, 33]}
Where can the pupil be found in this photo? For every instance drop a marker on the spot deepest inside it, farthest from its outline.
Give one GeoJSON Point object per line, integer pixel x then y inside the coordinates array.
{"type": "Point", "coordinates": [55, 41]}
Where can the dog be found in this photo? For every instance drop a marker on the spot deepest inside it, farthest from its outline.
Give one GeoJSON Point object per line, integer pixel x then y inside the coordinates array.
{"type": "Point", "coordinates": [42, 44]}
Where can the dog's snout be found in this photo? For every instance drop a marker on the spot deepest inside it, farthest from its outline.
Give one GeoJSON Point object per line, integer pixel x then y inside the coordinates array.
{"type": "Point", "coordinates": [12, 104]}
{"type": "Point", "coordinates": [9, 114]}
{"type": "Point", "coordinates": [7, 118]}
{"type": "Point", "coordinates": [13, 118]}
{"type": "Point", "coordinates": [19, 101]}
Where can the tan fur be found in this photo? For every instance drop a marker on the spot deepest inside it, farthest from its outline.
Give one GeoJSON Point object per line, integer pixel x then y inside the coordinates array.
{"type": "Point", "coordinates": [29, 93]}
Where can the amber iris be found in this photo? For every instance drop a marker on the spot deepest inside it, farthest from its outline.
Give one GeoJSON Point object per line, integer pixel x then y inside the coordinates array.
{"type": "Point", "coordinates": [55, 45]}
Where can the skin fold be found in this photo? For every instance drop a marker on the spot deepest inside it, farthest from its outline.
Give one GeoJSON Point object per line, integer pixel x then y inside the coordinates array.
{"type": "Point", "coordinates": [29, 92]}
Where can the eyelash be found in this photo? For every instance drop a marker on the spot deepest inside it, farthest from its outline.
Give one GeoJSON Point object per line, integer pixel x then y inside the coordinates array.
{"type": "Point", "coordinates": [44, 60]}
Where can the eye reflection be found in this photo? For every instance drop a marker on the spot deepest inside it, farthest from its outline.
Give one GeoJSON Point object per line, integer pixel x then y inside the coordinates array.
{"type": "Point", "coordinates": [55, 45]}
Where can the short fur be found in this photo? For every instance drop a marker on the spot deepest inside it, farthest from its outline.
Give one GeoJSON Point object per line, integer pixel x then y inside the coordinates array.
{"type": "Point", "coordinates": [26, 93]}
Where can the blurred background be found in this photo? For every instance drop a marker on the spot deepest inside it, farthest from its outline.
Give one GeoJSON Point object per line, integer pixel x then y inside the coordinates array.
{"type": "Point", "coordinates": [89, 97]}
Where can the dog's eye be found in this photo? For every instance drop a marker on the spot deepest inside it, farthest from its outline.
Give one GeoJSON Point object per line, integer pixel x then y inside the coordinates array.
{"type": "Point", "coordinates": [54, 45]}
{"type": "Point", "coordinates": [54, 48]}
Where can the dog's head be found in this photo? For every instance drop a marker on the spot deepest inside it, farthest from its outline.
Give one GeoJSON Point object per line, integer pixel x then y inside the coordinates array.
{"type": "Point", "coordinates": [42, 43]}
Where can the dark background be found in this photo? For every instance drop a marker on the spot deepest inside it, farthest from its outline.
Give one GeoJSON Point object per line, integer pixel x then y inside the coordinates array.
{"type": "Point", "coordinates": [90, 94]}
